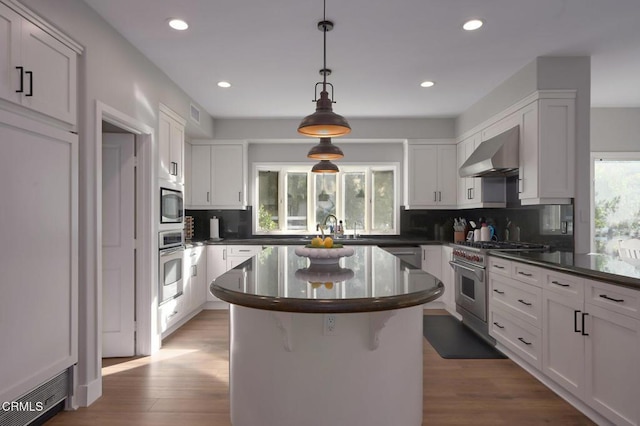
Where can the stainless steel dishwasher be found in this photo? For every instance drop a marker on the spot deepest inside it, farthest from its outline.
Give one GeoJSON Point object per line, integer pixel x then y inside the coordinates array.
{"type": "Point", "coordinates": [410, 254]}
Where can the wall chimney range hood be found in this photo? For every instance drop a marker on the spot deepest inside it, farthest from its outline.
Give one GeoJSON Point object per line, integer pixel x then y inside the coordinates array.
{"type": "Point", "coordinates": [497, 156]}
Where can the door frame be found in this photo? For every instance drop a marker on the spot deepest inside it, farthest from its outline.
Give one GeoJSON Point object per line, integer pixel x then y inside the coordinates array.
{"type": "Point", "coordinates": [147, 339]}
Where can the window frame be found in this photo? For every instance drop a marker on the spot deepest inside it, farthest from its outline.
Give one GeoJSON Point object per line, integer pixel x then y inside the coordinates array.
{"type": "Point", "coordinates": [284, 168]}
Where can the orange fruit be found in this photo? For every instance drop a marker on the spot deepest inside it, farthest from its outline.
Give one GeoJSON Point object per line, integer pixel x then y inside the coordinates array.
{"type": "Point", "coordinates": [328, 242]}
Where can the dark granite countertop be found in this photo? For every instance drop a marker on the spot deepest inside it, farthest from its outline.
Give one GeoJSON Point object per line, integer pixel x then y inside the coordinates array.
{"type": "Point", "coordinates": [370, 280]}
{"type": "Point", "coordinates": [596, 266]}
{"type": "Point", "coordinates": [374, 240]}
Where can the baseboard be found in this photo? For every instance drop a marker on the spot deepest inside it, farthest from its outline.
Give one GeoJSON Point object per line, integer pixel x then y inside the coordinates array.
{"type": "Point", "coordinates": [85, 395]}
{"type": "Point", "coordinates": [557, 389]}
{"type": "Point", "coordinates": [181, 322]}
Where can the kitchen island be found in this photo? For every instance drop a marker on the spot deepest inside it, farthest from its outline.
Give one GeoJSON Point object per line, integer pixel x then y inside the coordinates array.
{"type": "Point", "coordinates": [326, 345]}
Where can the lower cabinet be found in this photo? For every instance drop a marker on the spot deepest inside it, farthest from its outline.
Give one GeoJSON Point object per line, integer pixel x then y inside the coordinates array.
{"type": "Point", "coordinates": [221, 258]}
{"type": "Point", "coordinates": [589, 342]}
{"type": "Point", "coordinates": [435, 261]}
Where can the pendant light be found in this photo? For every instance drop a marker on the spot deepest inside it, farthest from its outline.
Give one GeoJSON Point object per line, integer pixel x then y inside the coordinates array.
{"type": "Point", "coordinates": [325, 166]}
{"type": "Point", "coordinates": [324, 123]}
{"type": "Point", "coordinates": [325, 150]}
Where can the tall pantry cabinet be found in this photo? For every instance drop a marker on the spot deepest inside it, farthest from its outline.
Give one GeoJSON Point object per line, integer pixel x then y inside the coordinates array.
{"type": "Point", "coordinates": [39, 209]}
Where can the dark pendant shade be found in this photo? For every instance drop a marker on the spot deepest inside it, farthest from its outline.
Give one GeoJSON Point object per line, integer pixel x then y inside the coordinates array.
{"type": "Point", "coordinates": [325, 150]}
{"type": "Point", "coordinates": [324, 123]}
{"type": "Point", "coordinates": [325, 166]}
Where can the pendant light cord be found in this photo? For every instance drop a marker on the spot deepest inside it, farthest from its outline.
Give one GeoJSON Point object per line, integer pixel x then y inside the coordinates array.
{"type": "Point", "coordinates": [324, 34]}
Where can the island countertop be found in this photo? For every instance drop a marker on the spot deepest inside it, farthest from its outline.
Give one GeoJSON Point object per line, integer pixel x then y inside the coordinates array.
{"type": "Point", "coordinates": [370, 280]}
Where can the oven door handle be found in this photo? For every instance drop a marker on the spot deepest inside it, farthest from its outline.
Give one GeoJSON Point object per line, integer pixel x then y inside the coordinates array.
{"type": "Point", "coordinates": [477, 273]}
{"type": "Point", "coordinates": [167, 252]}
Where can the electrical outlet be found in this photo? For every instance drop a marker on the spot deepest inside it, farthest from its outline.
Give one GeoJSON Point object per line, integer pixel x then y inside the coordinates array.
{"type": "Point", "coordinates": [329, 324]}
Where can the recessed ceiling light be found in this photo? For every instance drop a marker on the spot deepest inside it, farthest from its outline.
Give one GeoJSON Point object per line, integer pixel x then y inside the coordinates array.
{"type": "Point", "coordinates": [427, 84]}
{"type": "Point", "coordinates": [472, 24]}
{"type": "Point", "coordinates": [224, 84]}
{"type": "Point", "coordinates": [178, 24]}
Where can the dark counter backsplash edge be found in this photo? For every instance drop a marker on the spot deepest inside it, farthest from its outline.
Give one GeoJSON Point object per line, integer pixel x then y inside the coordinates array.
{"type": "Point", "coordinates": [426, 224]}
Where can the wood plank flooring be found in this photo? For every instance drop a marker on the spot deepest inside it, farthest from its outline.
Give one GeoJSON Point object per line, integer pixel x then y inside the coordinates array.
{"type": "Point", "coordinates": [186, 384]}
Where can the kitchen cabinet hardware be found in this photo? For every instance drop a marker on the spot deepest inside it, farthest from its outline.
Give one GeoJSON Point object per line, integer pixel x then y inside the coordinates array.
{"type": "Point", "coordinates": [560, 284]}
{"type": "Point", "coordinates": [21, 88]}
{"type": "Point", "coordinates": [439, 195]}
{"type": "Point", "coordinates": [497, 324]}
{"type": "Point", "coordinates": [435, 195]}
{"type": "Point", "coordinates": [194, 270]}
{"type": "Point", "coordinates": [584, 314]}
{"type": "Point", "coordinates": [524, 341]}
{"type": "Point", "coordinates": [207, 196]}
{"type": "Point", "coordinates": [244, 250]}
{"type": "Point", "coordinates": [575, 321]}
{"type": "Point", "coordinates": [224, 254]}
{"type": "Point", "coordinates": [604, 296]}
{"type": "Point", "coordinates": [526, 274]}
{"type": "Point", "coordinates": [524, 303]}
{"type": "Point", "coordinates": [30, 74]}
{"type": "Point", "coordinates": [174, 168]}
{"type": "Point", "coordinates": [239, 195]}
{"type": "Point", "coordinates": [172, 314]}
{"type": "Point", "coordinates": [498, 266]}
{"type": "Point", "coordinates": [498, 291]}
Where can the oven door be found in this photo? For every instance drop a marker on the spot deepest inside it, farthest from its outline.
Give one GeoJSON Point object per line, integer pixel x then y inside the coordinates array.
{"type": "Point", "coordinates": [170, 274]}
{"type": "Point", "coordinates": [471, 289]}
{"type": "Point", "coordinates": [171, 206]}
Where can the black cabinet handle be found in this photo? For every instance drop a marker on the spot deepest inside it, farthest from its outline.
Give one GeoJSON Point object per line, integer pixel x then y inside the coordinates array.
{"type": "Point", "coordinates": [21, 89]}
{"type": "Point", "coordinates": [560, 284]}
{"type": "Point", "coordinates": [30, 74]}
{"type": "Point", "coordinates": [604, 296]}
{"type": "Point", "coordinates": [498, 291]}
{"type": "Point", "coordinates": [498, 266]}
{"type": "Point", "coordinates": [524, 341]}
{"type": "Point", "coordinates": [498, 325]}
{"type": "Point", "coordinates": [525, 274]}
{"type": "Point", "coordinates": [524, 303]}
{"type": "Point", "coordinates": [584, 314]}
{"type": "Point", "coordinates": [575, 321]}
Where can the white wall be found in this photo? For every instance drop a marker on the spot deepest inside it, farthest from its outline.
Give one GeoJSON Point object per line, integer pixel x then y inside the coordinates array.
{"type": "Point", "coordinates": [615, 129]}
{"type": "Point", "coordinates": [111, 71]}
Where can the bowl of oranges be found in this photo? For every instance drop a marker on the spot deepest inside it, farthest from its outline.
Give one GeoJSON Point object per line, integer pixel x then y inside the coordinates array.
{"type": "Point", "coordinates": [323, 251]}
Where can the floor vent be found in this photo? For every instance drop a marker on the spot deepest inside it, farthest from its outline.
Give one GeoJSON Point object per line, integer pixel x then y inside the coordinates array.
{"type": "Point", "coordinates": [29, 408]}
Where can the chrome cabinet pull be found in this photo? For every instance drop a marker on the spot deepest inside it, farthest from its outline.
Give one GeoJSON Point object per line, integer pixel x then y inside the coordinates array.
{"type": "Point", "coordinates": [194, 270]}
{"type": "Point", "coordinates": [435, 196]}
{"type": "Point", "coordinates": [560, 284]}
{"type": "Point", "coordinates": [604, 296]}
{"type": "Point", "coordinates": [498, 325]}
{"type": "Point", "coordinates": [239, 195]}
{"type": "Point", "coordinates": [439, 195]}
{"type": "Point", "coordinates": [524, 303]}
{"type": "Point", "coordinates": [224, 254]}
{"type": "Point", "coordinates": [207, 196]}
{"type": "Point", "coordinates": [524, 341]}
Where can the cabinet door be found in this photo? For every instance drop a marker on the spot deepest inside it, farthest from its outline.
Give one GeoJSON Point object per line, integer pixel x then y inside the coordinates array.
{"type": "Point", "coordinates": [432, 260]}
{"type": "Point", "coordinates": [170, 146]}
{"type": "Point", "coordinates": [227, 174]}
{"type": "Point", "coordinates": [528, 172]}
{"type": "Point", "coordinates": [447, 175]}
{"type": "Point", "coordinates": [423, 176]}
{"type": "Point", "coordinates": [612, 373]}
{"type": "Point", "coordinates": [176, 151]}
{"type": "Point", "coordinates": [463, 188]}
{"type": "Point", "coordinates": [51, 86]}
{"type": "Point", "coordinates": [448, 278]}
{"type": "Point", "coordinates": [197, 276]}
{"type": "Point", "coordinates": [164, 145]}
{"type": "Point", "coordinates": [216, 266]}
{"type": "Point", "coordinates": [563, 346]}
{"type": "Point", "coordinates": [187, 282]}
{"type": "Point", "coordinates": [10, 28]}
{"type": "Point", "coordinates": [200, 175]}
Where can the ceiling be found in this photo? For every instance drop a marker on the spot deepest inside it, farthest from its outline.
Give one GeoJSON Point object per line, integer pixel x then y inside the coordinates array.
{"type": "Point", "coordinates": [379, 51]}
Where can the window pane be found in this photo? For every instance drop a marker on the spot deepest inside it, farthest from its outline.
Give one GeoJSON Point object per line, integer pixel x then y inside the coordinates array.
{"type": "Point", "coordinates": [325, 195]}
{"type": "Point", "coordinates": [382, 200]}
{"type": "Point", "coordinates": [354, 200]}
{"type": "Point", "coordinates": [296, 201]}
{"type": "Point", "coordinates": [267, 200]}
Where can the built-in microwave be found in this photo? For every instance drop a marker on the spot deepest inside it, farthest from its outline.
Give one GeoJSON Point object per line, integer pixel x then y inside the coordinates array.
{"type": "Point", "coordinates": [171, 206]}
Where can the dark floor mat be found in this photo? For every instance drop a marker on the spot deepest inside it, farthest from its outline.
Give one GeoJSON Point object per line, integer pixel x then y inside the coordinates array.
{"type": "Point", "coordinates": [453, 340]}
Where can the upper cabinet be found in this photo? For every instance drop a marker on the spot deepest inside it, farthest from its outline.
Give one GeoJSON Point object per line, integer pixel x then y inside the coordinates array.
{"type": "Point", "coordinates": [37, 70]}
{"type": "Point", "coordinates": [171, 145]}
{"type": "Point", "coordinates": [547, 150]}
{"type": "Point", "coordinates": [218, 176]}
{"type": "Point", "coordinates": [431, 176]}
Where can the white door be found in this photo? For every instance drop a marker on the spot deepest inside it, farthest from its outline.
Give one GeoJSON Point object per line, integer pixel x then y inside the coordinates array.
{"type": "Point", "coordinates": [118, 245]}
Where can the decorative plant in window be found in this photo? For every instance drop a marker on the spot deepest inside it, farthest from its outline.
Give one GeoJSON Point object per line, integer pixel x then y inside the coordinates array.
{"type": "Point", "coordinates": [265, 221]}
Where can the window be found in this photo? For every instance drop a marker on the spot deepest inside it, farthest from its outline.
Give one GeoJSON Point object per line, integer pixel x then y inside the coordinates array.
{"type": "Point", "coordinates": [616, 201]}
{"type": "Point", "coordinates": [292, 200]}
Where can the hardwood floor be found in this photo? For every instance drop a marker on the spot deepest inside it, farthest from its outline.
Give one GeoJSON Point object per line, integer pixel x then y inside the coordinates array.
{"type": "Point", "coordinates": [186, 384]}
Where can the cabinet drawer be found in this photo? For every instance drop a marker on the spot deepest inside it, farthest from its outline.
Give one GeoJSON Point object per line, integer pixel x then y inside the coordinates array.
{"type": "Point", "coordinates": [517, 335]}
{"type": "Point", "coordinates": [246, 251]}
{"type": "Point", "coordinates": [499, 266]}
{"type": "Point", "coordinates": [170, 313]}
{"type": "Point", "coordinates": [623, 300]}
{"type": "Point", "coordinates": [526, 273]}
{"type": "Point", "coordinates": [563, 284]}
{"type": "Point", "coordinates": [522, 300]}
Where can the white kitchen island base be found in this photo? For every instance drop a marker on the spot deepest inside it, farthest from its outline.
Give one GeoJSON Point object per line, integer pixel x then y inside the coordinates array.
{"type": "Point", "coordinates": [285, 370]}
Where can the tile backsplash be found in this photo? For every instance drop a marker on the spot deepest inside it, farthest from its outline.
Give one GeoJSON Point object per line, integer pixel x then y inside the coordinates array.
{"type": "Point", "coordinates": [233, 223]}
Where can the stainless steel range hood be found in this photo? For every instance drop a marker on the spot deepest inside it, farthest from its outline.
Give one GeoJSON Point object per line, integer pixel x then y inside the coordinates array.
{"type": "Point", "coordinates": [498, 156]}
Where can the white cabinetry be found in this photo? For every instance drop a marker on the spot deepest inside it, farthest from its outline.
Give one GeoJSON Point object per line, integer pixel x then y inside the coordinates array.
{"type": "Point", "coordinates": [37, 70]}
{"type": "Point", "coordinates": [547, 150]}
{"type": "Point", "coordinates": [431, 176]}
{"type": "Point", "coordinates": [195, 274]}
{"type": "Point", "coordinates": [435, 260]}
{"type": "Point", "coordinates": [171, 145]}
{"type": "Point", "coordinates": [477, 192]}
{"type": "Point", "coordinates": [218, 176]}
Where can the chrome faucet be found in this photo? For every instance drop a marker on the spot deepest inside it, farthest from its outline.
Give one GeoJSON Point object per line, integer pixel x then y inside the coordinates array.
{"type": "Point", "coordinates": [324, 224]}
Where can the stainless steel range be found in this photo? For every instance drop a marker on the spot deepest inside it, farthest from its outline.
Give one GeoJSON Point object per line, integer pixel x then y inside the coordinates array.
{"type": "Point", "coordinates": [471, 293]}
